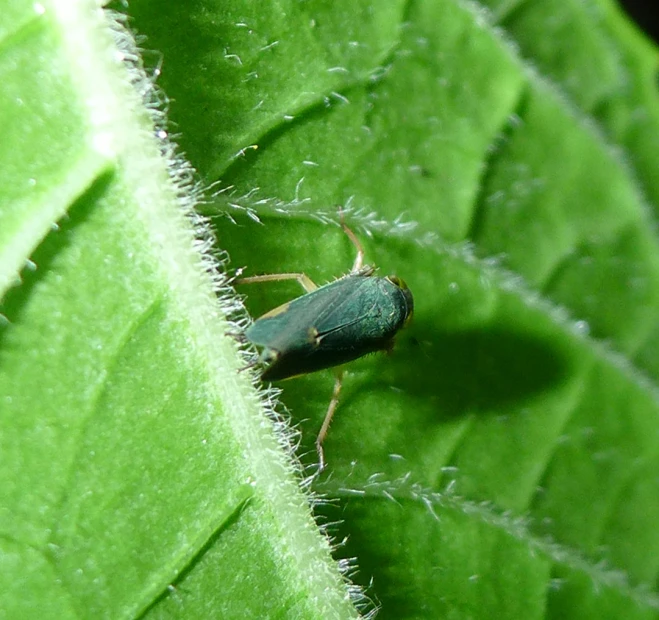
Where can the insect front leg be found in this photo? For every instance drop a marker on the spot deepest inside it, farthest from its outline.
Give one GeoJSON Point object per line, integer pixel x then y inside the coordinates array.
{"type": "Point", "coordinates": [305, 282]}
{"type": "Point", "coordinates": [338, 382]}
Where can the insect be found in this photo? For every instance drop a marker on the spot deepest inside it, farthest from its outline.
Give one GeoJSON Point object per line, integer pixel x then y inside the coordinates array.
{"type": "Point", "coordinates": [357, 314]}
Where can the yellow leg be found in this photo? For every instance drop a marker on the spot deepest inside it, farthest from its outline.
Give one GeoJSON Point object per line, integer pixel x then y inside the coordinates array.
{"type": "Point", "coordinates": [328, 420]}
{"type": "Point", "coordinates": [302, 278]}
{"type": "Point", "coordinates": [359, 259]}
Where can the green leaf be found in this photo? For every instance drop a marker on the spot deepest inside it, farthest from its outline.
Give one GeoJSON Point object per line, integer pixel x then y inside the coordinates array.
{"type": "Point", "coordinates": [139, 472]}
{"type": "Point", "coordinates": [501, 462]}
{"type": "Point", "coordinates": [500, 157]}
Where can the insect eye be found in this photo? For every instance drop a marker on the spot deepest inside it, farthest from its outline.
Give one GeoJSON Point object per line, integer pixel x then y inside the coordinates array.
{"type": "Point", "coordinates": [399, 282]}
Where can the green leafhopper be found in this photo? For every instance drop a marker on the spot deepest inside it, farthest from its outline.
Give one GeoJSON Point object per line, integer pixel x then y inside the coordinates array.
{"type": "Point", "coordinates": [330, 325]}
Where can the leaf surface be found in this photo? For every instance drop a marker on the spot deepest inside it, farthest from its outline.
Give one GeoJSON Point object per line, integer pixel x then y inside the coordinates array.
{"type": "Point", "coordinates": [501, 462]}
{"type": "Point", "coordinates": [134, 456]}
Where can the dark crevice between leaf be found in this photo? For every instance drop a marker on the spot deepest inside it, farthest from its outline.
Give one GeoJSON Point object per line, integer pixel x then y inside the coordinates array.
{"type": "Point", "coordinates": [511, 13]}
{"type": "Point", "coordinates": [493, 153]}
{"type": "Point", "coordinates": [240, 165]}
{"type": "Point", "coordinates": [271, 132]}
{"type": "Point", "coordinates": [16, 299]}
{"type": "Point", "coordinates": [407, 11]}
{"type": "Point", "coordinates": [310, 113]}
{"type": "Point", "coordinates": [171, 589]}
{"type": "Point", "coordinates": [314, 111]}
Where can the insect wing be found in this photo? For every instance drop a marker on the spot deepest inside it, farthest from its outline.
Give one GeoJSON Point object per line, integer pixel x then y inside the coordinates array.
{"type": "Point", "coordinates": [366, 321]}
{"type": "Point", "coordinates": [290, 325]}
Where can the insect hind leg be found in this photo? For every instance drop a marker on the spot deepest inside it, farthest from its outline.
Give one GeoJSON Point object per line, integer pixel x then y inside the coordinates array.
{"type": "Point", "coordinates": [304, 280]}
{"type": "Point", "coordinates": [328, 420]}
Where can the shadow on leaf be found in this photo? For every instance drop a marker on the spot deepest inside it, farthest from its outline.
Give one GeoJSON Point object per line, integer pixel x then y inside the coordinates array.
{"type": "Point", "coordinates": [480, 370]}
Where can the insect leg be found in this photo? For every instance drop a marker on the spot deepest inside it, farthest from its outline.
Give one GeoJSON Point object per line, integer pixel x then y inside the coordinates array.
{"type": "Point", "coordinates": [328, 420]}
{"type": "Point", "coordinates": [304, 280]}
{"type": "Point", "coordinates": [249, 365]}
{"type": "Point", "coordinates": [359, 259]}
